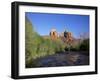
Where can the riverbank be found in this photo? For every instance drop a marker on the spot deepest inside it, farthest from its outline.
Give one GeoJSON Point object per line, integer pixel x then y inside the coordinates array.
{"type": "Point", "coordinates": [72, 58]}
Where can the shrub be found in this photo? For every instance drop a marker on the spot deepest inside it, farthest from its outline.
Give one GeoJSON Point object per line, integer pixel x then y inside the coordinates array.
{"type": "Point", "coordinates": [36, 46]}
{"type": "Point", "coordinates": [84, 46]}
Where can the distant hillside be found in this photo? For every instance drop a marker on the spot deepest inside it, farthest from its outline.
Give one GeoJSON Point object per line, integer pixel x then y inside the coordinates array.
{"type": "Point", "coordinates": [46, 37]}
{"type": "Point", "coordinates": [75, 40]}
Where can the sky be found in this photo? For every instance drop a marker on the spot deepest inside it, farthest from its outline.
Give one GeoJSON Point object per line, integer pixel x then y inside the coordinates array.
{"type": "Point", "coordinates": [44, 22]}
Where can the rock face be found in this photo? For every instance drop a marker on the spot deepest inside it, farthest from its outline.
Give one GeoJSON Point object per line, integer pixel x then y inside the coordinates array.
{"type": "Point", "coordinates": [53, 34]}
{"type": "Point", "coordinates": [68, 36]}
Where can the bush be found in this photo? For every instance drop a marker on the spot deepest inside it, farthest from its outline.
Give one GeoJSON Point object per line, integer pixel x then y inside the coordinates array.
{"type": "Point", "coordinates": [84, 46]}
{"type": "Point", "coordinates": [36, 46]}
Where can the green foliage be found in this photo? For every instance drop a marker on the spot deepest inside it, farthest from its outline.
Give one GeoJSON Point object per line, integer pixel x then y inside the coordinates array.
{"type": "Point", "coordinates": [84, 46]}
{"type": "Point", "coordinates": [36, 46]}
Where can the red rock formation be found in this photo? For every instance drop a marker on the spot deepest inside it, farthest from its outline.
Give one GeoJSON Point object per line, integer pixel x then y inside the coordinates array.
{"type": "Point", "coordinates": [53, 34]}
{"type": "Point", "coordinates": [69, 38]}
{"type": "Point", "coordinates": [65, 36]}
